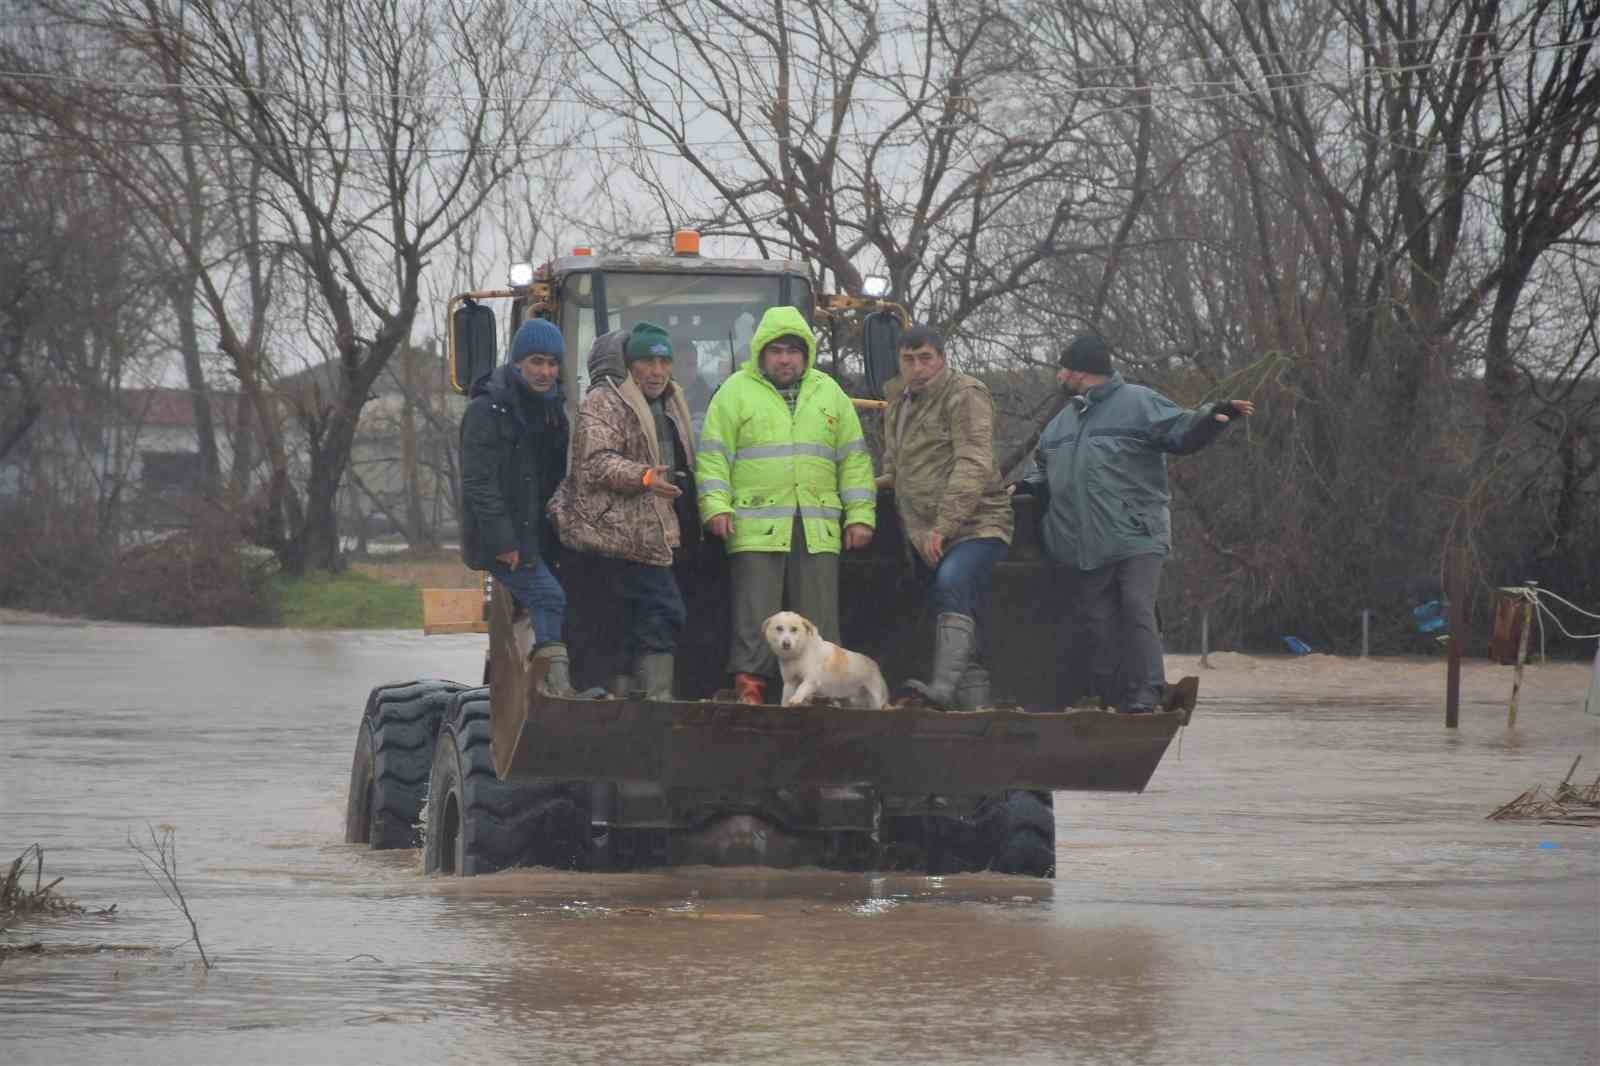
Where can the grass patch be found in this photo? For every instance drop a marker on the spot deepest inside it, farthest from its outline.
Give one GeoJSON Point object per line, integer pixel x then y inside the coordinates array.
{"type": "Point", "coordinates": [349, 600]}
{"type": "Point", "coordinates": [437, 570]}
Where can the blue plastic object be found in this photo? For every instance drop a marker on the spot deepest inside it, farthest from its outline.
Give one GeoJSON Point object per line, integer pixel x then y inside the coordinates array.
{"type": "Point", "coordinates": [1297, 646]}
{"type": "Point", "coordinates": [1430, 616]}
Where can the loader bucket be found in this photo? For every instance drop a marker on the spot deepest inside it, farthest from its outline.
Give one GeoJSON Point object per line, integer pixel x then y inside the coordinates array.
{"type": "Point", "coordinates": [712, 745]}
{"type": "Point", "coordinates": [731, 747]}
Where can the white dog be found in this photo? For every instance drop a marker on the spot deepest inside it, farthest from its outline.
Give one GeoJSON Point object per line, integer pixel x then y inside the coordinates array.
{"type": "Point", "coordinates": [812, 666]}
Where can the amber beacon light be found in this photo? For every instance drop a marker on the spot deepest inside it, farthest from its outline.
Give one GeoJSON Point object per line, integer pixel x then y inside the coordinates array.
{"type": "Point", "coordinates": [686, 242]}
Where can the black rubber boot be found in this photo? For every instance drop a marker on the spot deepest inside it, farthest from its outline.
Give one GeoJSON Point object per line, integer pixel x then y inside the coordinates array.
{"type": "Point", "coordinates": [954, 641]}
{"type": "Point", "coordinates": [558, 669]}
{"type": "Point", "coordinates": [654, 673]}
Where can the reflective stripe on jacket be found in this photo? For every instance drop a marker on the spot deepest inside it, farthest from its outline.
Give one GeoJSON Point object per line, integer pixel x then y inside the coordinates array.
{"type": "Point", "coordinates": [764, 466]}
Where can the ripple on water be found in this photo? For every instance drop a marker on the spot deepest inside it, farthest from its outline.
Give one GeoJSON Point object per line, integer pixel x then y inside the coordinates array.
{"type": "Point", "coordinates": [1311, 870]}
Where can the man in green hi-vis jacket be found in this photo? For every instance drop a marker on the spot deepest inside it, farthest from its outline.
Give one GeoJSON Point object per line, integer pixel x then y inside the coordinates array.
{"type": "Point", "coordinates": [784, 478]}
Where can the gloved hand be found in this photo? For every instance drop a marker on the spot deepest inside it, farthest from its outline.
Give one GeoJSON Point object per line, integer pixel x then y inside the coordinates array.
{"type": "Point", "coordinates": [1227, 410]}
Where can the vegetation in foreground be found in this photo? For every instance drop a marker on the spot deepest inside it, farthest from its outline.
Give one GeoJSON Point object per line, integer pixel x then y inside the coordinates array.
{"type": "Point", "coordinates": [17, 900]}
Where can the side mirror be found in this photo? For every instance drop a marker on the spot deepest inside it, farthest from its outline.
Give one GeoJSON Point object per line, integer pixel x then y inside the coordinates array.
{"type": "Point", "coordinates": [880, 349]}
{"type": "Point", "coordinates": [472, 345]}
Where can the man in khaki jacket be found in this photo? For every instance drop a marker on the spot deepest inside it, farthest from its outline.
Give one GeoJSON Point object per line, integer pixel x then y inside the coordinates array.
{"type": "Point", "coordinates": [939, 459]}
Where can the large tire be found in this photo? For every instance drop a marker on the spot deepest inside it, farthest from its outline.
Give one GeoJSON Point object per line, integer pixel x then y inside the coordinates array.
{"type": "Point", "coordinates": [1010, 832]}
{"type": "Point", "coordinates": [477, 823]}
{"type": "Point", "coordinates": [394, 753]}
{"type": "Point", "coordinates": [1017, 833]}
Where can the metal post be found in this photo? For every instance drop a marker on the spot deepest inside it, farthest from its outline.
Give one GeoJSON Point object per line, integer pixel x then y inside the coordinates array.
{"type": "Point", "coordinates": [1522, 657]}
{"type": "Point", "coordinates": [1533, 607]}
{"type": "Point", "coordinates": [1366, 631]}
{"type": "Point", "coordinates": [1455, 590]}
{"type": "Point", "coordinates": [1205, 637]}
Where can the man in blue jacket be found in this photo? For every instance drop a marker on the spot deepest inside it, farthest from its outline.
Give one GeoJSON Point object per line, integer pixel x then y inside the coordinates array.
{"type": "Point", "coordinates": [1102, 466]}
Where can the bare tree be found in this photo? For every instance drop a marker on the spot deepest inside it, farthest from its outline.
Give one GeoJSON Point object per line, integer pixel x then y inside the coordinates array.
{"type": "Point", "coordinates": [846, 135]}
{"type": "Point", "coordinates": [76, 304]}
{"type": "Point", "coordinates": [194, 208]}
{"type": "Point", "coordinates": [382, 128]}
{"type": "Point", "coordinates": [1546, 81]}
{"type": "Point", "coordinates": [357, 139]}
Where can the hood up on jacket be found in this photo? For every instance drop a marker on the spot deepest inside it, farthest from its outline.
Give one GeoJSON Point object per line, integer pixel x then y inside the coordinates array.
{"type": "Point", "coordinates": [779, 322]}
{"type": "Point", "coordinates": [605, 357]}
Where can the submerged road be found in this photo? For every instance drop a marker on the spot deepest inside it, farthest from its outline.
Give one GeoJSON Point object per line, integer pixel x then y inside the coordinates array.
{"type": "Point", "coordinates": [1309, 879]}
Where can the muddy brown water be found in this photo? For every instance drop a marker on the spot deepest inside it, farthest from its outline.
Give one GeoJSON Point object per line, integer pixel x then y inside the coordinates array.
{"type": "Point", "coordinates": [1309, 879]}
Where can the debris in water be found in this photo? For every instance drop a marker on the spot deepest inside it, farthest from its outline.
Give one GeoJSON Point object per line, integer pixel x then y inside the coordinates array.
{"type": "Point", "coordinates": [16, 899]}
{"type": "Point", "coordinates": [49, 950]}
{"type": "Point", "coordinates": [1568, 805]}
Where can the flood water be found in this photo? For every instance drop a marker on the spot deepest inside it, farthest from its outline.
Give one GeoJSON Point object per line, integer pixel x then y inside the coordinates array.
{"type": "Point", "coordinates": [1309, 879]}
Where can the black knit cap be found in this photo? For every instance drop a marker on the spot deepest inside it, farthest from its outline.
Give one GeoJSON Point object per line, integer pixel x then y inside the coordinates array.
{"type": "Point", "coordinates": [1087, 353]}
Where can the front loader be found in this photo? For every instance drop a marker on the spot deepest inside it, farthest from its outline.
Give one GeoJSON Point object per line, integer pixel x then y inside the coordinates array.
{"type": "Point", "coordinates": [499, 774]}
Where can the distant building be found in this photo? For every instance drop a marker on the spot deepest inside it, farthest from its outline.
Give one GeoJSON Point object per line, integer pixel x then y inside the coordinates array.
{"type": "Point", "coordinates": [137, 446]}
{"type": "Point", "coordinates": [139, 450]}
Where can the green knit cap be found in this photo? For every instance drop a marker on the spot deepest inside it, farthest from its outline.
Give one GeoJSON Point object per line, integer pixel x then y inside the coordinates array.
{"type": "Point", "coordinates": [647, 341]}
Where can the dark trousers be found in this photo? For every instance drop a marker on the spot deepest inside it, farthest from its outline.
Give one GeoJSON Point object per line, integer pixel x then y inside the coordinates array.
{"type": "Point", "coordinates": [652, 613]}
{"type": "Point", "coordinates": [1111, 642]}
{"type": "Point", "coordinates": [764, 583]}
{"type": "Point", "coordinates": [536, 590]}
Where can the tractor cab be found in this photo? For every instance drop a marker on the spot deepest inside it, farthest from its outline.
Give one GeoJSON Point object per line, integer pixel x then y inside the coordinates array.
{"type": "Point", "coordinates": [710, 307]}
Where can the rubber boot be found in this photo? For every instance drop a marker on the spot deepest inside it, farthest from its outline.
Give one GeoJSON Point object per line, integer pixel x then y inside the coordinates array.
{"type": "Point", "coordinates": [558, 669]}
{"type": "Point", "coordinates": [955, 639]}
{"type": "Point", "coordinates": [654, 672]}
{"type": "Point", "coordinates": [622, 685]}
{"type": "Point", "coordinates": [972, 693]}
{"type": "Point", "coordinates": [752, 688]}
{"type": "Point", "coordinates": [1104, 691]}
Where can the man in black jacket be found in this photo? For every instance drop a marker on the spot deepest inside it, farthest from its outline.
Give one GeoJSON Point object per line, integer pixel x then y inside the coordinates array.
{"type": "Point", "coordinates": [513, 456]}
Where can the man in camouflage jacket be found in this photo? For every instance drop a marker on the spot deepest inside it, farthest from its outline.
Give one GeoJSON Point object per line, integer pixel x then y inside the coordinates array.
{"type": "Point", "coordinates": [625, 498]}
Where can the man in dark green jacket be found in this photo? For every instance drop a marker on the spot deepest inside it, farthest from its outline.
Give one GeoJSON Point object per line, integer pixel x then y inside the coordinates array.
{"type": "Point", "coordinates": [1102, 465]}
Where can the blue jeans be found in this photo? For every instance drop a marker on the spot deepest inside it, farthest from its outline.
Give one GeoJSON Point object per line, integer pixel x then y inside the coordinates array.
{"type": "Point", "coordinates": [962, 578]}
{"type": "Point", "coordinates": [536, 591]}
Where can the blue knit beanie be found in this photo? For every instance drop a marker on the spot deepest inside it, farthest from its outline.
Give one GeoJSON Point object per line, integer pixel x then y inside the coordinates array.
{"type": "Point", "coordinates": [537, 336]}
